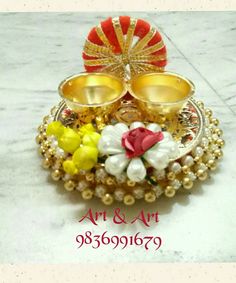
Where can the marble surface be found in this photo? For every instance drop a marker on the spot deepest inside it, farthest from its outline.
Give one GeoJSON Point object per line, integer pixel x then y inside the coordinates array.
{"type": "Point", "coordinates": [38, 219]}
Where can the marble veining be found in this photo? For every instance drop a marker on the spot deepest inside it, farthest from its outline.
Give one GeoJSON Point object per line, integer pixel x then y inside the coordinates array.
{"type": "Point", "coordinates": [39, 220]}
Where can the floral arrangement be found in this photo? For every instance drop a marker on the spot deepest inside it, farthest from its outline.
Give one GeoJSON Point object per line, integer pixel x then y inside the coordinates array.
{"type": "Point", "coordinates": [136, 148]}
{"type": "Point", "coordinates": [132, 149]}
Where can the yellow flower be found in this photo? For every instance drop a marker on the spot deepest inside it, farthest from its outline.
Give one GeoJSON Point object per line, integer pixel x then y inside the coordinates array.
{"type": "Point", "coordinates": [91, 139]}
{"type": "Point", "coordinates": [55, 128]}
{"type": "Point", "coordinates": [85, 157]}
{"type": "Point", "coordinates": [69, 167]}
{"type": "Point", "coordinates": [69, 141]}
{"type": "Point", "coordinates": [86, 129]}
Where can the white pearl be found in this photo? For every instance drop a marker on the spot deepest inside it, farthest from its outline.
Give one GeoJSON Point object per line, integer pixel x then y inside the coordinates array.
{"type": "Point", "coordinates": [119, 194]}
{"type": "Point", "coordinates": [176, 184]}
{"type": "Point", "coordinates": [159, 174]}
{"type": "Point", "coordinates": [207, 132]}
{"type": "Point", "coordinates": [191, 176]}
{"type": "Point", "coordinates": [138, 192]}
{"type": "Point", "coordinates": [207, 122]}
{"type": "Point", "coordinates": [100, 191]}
{"type": "Point", "coordinates": [116, 164]}
{"type": "Point", "coordinates": [54, 144]}
{"type": "Point", "coordinates": [158, 191]}
{"type": "Point", "coordinates": [187, 160]}
{"type": "Point", "coordinates": [121, 178]}
{"type": "Point", "coordinates": [198, 151]}
{"type": "Point", "coordinates": [59, 152]}
{"type": "Point", "coordinates": [167, 136]}
{"type": "Point", "coordinates": [204, 142]}
{"type": "Point", "coordinates": [169, 147]}
{"type": "Point", "coordinates": [136, 170]}
{"type": "Point", "coordinates": [57, 165]}
{"type": "Point", "coordinates": [202, 166]}
{"type": "Point", "coordinates": [109, 145]}
{"type": "Point", "coordinates": [82, 185]}
{"type": "Point", "coordinates": [100, 174]}
{"type": "Point", "coordinates": [154, 127]}
{"type": "Point", "coordinates": [66, 177]}
{"type": "Point", "coordinates": [175, 167]}
{"type": "Point", "coordinates": [135, 125]}
{"type": "Point", "coordinates": [51, 138]}
{"type": "Point", "coordinates": [121, 128]}
{"type": "Point", "coordinates": [158, 159]}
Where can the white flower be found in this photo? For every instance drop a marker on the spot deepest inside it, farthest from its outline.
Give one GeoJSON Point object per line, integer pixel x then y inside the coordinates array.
{"type": "Point", "coordinates": [158, 156]}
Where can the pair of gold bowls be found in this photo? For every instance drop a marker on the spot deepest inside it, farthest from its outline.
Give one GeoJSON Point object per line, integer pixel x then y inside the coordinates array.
{"type": "Point", "coordinates": [98, 95]}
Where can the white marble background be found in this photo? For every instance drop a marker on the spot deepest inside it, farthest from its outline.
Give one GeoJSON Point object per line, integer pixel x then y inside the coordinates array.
{"type": "Point", "coordinates": [38, 219]}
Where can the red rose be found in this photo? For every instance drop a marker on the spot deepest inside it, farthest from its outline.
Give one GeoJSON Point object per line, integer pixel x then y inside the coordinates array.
{"type": "Point", "coordinates": [137, 141]}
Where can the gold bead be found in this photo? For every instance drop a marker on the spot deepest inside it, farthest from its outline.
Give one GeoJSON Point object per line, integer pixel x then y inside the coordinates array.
{"type": "Point", "coordinates": [210, 140]}
{"type": "Point", "coordinates": [150, 196]}
{"type": "Point", "coordinates": [208, 112]}
{"type": "Point", "coordinates": [218, 153]}
{"type": "Point", "coordinates": [218, 131]}
{"type": "Point", "coordinates": [211, 164]}
{"type": "Point", "coordinates": [54, 108]}
{"type": "Point", "coordinates": [42, 150]}
{"type": "Point", "coordinates": [214, 139]}
{"type": "Point", "coordinates": [107, 199]}
{"type": "Point", "coordinates": [110, 181]}
{"type": "Point", "coordinates": [46, 144]}
{"type": "Point", "coordinates": [201, 174]}
{"type": "Point", "coordinates": [214, 121]}
{"type": "Point", "coordinates": [129, 199]}
{"type": "Point", "coordinates": [87, 193]}
{"type": "Point", "coordinates": [44, 135]}
{"type": "Point", "coordinates": [90, 177]}
{"type": "Point", "coordinates": [185, 169]}
{"type": "Point", "coordinates": [220, 142]}
{"type": "Point", "coordinates": [69, 185]}
{"type": "Point", "coordinates": [198, 159]}
{"type": "Point", "coordinates": [131, 183]}
{"type": "Point", "coordinates": [169, 191]}
{"type": "Point", "coordinates": [187, 183]}
{"type": "Point", "coordinates": [39, 138]}
{"type": "Point", "coordinates": [50, 153]}
{"type": "Point", "coordinates": [40, 128]}
{"type": "Point", "coordinates": [46, 163]}
{"type": "Point", "coordinates": [200, 104]}
{"type": "Point", "coordinates": [171, 176]}
{"type": "Point", "coordinates": [56, 175]}
{"type": "Point", "coordinates": [45, 119]}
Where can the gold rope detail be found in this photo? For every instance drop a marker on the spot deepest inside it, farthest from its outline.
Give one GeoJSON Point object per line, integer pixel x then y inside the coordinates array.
{"type": "Point", "coordinates": [100, 61]}
{"type": "Point", "coordinates": [144, 41]}
{"type": "Point", "coordinates": [119, 33]}
{"type": "Point", "coordinates": [103, 37]}
{"type": "Point", "coordinates": [91, 47]}
{"type": "Point", "coordinates": [148, 58]}
{"type": "Point", "coordinates": [130, 35]}
{"type": "Point", "coordinates": [151, 49]}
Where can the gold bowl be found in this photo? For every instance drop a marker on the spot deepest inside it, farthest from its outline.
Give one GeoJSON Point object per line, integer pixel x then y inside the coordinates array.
{"type": "Point", "coordinates": [92, 95]}
{"type": "Point", "coordinates": [161, 94]}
